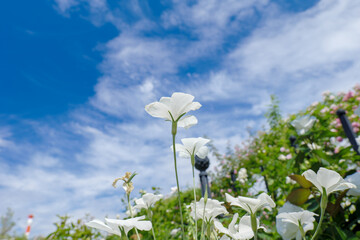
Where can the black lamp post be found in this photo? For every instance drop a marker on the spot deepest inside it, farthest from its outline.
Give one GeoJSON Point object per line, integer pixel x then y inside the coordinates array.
{"type": "Point", "coordinates": [348, 129]}
{"type": "Point", "coordinates": [202, 164]}
{"type": "Point", "coordinates": [233, 179]}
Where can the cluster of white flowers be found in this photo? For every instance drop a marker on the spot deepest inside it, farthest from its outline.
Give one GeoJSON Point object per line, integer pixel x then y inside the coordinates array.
{"type": "Point", "coordinates": [291, 222]}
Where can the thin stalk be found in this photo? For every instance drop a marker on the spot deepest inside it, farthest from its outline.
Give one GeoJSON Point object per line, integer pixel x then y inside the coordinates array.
{"type": "Point", "coordinates": [132, 216]}
{"type": "Point", "coordinates": [203, 225]}
{"type": "Point", "coordinates": [150, 217]}
{"type": "Point", "coordinates": [193, 172]}
{"type": "Point", "coordinates": [177, 181]}
{"type": "Point", "coordinates": [319, 225]}
{"type": "Point", "coordinates": [254, 225]}
{"type": "Point", "coordinates": [323, 204]}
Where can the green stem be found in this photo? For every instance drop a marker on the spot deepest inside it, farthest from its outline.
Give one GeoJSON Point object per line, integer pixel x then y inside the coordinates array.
{"type": "Point", "coordinates": [203, 224]}
{"type": "Point", "coordinates": [132, 216]}
{"type": "Point", "coordinates": [254, 225]}
{"type": "Point", "coordinates": [150, 217]}
{"type": "Point", "coordinates": [193, 172]}
{"type": "Point", "coordinates": [177, 179]}
{"type": "Point", "coordinates": [323, 205]}
{"type": "Point", "coordinates": [301, 230]}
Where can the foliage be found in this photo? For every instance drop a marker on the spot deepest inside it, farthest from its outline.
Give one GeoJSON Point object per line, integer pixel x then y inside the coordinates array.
{"type": "Point", "coordinates": [271, 155]}
{"type": "Point", "coordinates": [70, 230]}
{"type": "Point", "coordinates": [7, 225]}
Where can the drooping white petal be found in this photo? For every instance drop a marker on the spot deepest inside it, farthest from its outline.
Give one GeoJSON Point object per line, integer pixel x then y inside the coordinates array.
{"type": "Point", "coordinates": [203, 152]}
{"type": "Point", "coordinates": [310, 175]}
{"type": "Point", "coordinates": [251, 205]}
{"type": "Point", "coordinates": [355, 179]}
{"type": "Point", "coordinates": [179, 102]}
{"type": "Point", "coordinates": [102, 226]}
{"type": "Point", "coordinates": [130, 223]}
{"type": "Point", "coordinates": [157, 109]}
{"type": "Point", "coordinates": [187, 121]}
{"type": "Point", "coordinates": [328, 179]}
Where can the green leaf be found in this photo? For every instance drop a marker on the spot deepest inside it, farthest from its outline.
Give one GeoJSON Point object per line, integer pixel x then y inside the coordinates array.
{"type": "Point", "coordinates": [341, 233]}
{"type": "Point", "coordinates": [299, 196]}
{"type": "Point", "coordinates": [301, 180]}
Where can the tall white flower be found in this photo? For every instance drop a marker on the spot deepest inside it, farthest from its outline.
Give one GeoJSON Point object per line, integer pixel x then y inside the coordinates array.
{"type": "Point", "coordinates": [147, 200]}
{"type": "Point", "coordinates": [173, 108]}
{"type": "Point", "coordinates": [303, 124]}
{"type": "Point", "coordinates": [355, 179]}
{"type": "Point", "coordinates": [251, 205]}
{"type": "Point", "coordinates": [235, 231]}
{"type": "Point", "coordinates": [291, 219]}
{"type": "Point", "coordinates": [192, 146]}
{"type": "Point", "coordinates": [113, 225]}
{"type": "Point", "coordinates": [327, 179]}
{"type": "Point", "coordinates": [213, 208]}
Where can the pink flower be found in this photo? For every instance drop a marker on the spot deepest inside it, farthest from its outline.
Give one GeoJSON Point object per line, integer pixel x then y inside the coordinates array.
{"type": "Point", "coordinates": [227, 176]}
{"type": "Point", "coordinates": [235, 171]}
{"type": "Point", "coordinates": [339, 139]}
{"type": "Point", "coordinates": [229, 190]}
{"type": "Point", "coordinates": [289, 156]}
{"type": "Point", "coordinates": [337, 150]}
{"type": "Point", "coordinates": [355, 124]}
{"type": "Point", "coordinates": [221, 190]}
{"type": "Point", "coordinates": [349, 95]}
{"type": "Point", "coordinates": [358, 98]}
{"type": "Point", "coordinates": [282, 149]}
{"type": "Point", "coordinates": [356, 129]}
{"type": "Point", "coordinates": [333, 130]}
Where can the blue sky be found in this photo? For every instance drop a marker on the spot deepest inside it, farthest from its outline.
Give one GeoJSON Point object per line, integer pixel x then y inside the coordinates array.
{"type": "Point", "coordinates": [76, 75]}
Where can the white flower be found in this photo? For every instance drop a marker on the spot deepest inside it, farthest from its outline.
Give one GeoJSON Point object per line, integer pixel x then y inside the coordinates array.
{"type": "Point", "coordinates": [251, 205]}
{"type": "Point", "coordinates": [355, 179]}
{"type": "Point", "coordinates": [213, 208]}
{"type": "Point", "coordinates": [328, 179]}
{"type": "Point", "coordinates": [282, 157]}
{"type": "Point", "coordinates": [175, 231]}
{"type": "Point", "coordinates": [313, 146]}
{"type": "Point", "coordinates": [174, 107]}
{"type": "Point", "coordinates": [303, 124]}
{"type": "Point", "coordinates": [113, 225]}
{"type": "Point", "coordinates": [287, 221]}
{"type": "Point", "coordinates": [344, 142]}
{"type": "Point", "coordinates": [192, 147]}
{"type": "Point", "coordinates": [241, 231]}
{"type": "Point", "coordinates": [289, 180]}
{"type": "Point", "coordinates": [147, 200]}
{"type": "Point", "coordinates": [242, 175]}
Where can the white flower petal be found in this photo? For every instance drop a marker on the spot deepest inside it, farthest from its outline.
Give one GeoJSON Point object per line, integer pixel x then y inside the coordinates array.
{"type": "Point", "coordinates": [187, 121]}
{"type": "Point", "coordinates": [157, 109]}
{"type": "Point", "coordinates": [355, 179]}
{"type": "Point", "coordinates": [327, 178]}
{"type": "Point", "coordinates": [310, 175]}
{"type": "Point", "coordinates": [203, 152]}
{"type": "Point", "coordinates": [102, 226]}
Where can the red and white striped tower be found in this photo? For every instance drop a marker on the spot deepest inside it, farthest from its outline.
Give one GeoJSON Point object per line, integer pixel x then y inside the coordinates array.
{"type": "Point", "coordinates": [29, 222]}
